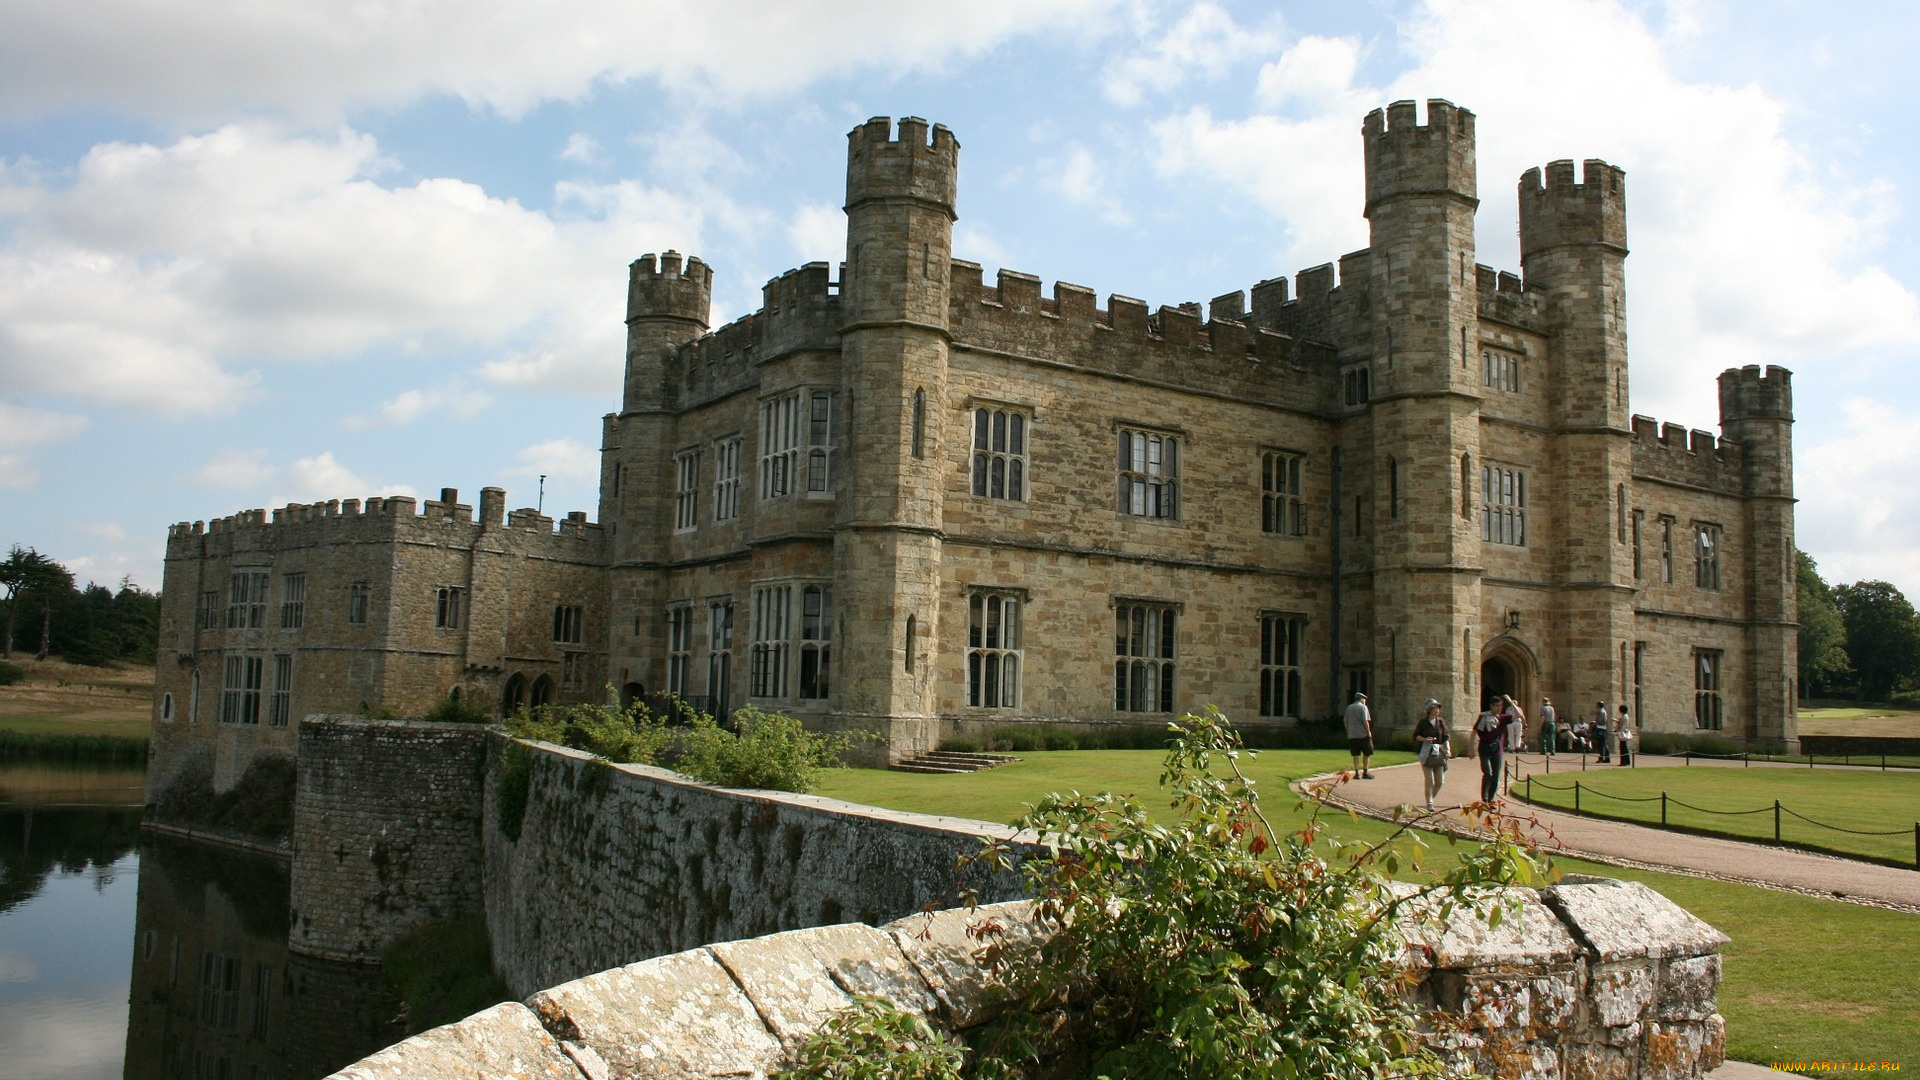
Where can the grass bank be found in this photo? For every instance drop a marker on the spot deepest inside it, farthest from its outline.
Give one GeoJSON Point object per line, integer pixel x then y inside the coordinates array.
{"type": "Point", "coordinates": [76, 711]}
{"type": "Point", "coordinates": [1739, 803]}
{"type": "Point", "coordinates": [1805, 979]}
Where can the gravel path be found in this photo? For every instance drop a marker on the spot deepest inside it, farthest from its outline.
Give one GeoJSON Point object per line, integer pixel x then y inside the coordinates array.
{"type": "Point", "coordinates": [1621, 844]}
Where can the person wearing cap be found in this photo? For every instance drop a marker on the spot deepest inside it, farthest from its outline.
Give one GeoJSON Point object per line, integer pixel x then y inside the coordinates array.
{"type": "Point", "coordinates": [1436, 746]}
{"type": "Point", "coordinates": [1360, 736]}
{"type": "Point", "coordinates": [1549, 727]}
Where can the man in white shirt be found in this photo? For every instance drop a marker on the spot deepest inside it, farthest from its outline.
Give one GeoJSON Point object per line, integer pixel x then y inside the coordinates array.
{"type": "Point", "coordinates": [1360, 735]}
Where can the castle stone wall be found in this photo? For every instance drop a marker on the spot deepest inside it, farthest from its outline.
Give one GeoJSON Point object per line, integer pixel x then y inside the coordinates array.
{"type": "Point", "coordinates": [386, 831]}
{"type": "Point", "coordinates": [1590, 980]}
{"type": "Point", "coordinates": [618, 863]}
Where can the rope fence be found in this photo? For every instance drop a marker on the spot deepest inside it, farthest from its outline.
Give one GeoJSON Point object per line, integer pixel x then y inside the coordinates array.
{"type": "Point", "coordinates": [1665, 800]}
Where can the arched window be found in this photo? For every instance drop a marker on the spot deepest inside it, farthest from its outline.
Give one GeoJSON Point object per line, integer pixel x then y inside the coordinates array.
{"type": "Point", "coordinates": [1466, 486]}
{"type": "Point", "coordinates": [542, 692]}
{"type": "Point", "coordinates": [514, 697]}
{"type": "Point", "coordinates": [909, 649]}
{"type": "Point", "coordinates": [1393, 487]}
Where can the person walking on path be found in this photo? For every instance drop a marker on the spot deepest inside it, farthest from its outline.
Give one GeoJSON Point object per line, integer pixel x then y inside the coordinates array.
{"type": "Point", "coordinates": [1515, 719]}
{"type": "Point", "coordinates": [1360, 736]}
{"type": "Point", "coordinates": [1623, 731]}
{"type": "Point", "coordinates": [1549, 727]}
{"type": "Point", "coordinates": [1600, 723]}
{"type": "Point", "coordinates": [1488, 735]}
{"type": "Point", "coordinates": [1436, 746]}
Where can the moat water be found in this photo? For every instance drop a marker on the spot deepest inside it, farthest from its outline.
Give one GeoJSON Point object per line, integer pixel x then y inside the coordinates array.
{"type": "Point", "coordinates": [133, 955]}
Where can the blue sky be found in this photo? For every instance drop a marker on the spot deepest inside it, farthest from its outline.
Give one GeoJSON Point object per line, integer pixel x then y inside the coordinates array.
{"type": "Point", "coordinates": [258, 253]}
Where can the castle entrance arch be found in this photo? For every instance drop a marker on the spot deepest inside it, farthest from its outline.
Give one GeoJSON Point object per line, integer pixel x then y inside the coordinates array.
{"type": "Point", "coordinates": [1508, 668]}
{"type": "Point", "coordinates": [514, 696]}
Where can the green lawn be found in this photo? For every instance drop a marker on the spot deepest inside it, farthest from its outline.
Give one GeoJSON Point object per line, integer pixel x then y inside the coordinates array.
{"type": "Point", "coordinates": [129, 727]}
{"type": "Point", "coordinates": [1805, 979]}
{"type": "Point", "coordinates": [1868, 801]}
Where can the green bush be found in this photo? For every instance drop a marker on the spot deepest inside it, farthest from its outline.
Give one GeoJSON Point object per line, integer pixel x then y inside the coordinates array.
{"type": "Point", "coordinates": [771, 751]}
{"type": "Point", "coordinates": [11, 673]}
{"type": "Point", "coordinates": [1215, 946]}
{"type": "Point", "coordinates": [261, 804]}
{"type": "Point", "coordinates": [455, 710]}
{"type": "Point", "coordinates": [877, 1040]}
{"type": "Point", "coordinates": [187, 798]}
{"type": "Point", "coordinates": [442, 972]}
{"type": "Point", "coordinates": [512, 788]}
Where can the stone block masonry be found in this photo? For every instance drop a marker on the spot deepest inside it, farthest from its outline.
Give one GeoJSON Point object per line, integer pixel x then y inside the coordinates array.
{"type": "Point", "coordinates": [1592, 980]}
{"type": "Point", "coordinates": [615, 864]}
{"type": "Point", "coordinates": [386, 831]}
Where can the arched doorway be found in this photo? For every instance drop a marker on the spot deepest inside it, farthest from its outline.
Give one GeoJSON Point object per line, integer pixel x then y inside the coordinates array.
{"type": "Point", "coordinates": [1508, 668]}
{"type": "Point", "coordinates": [631, 693]}
{"type": "Point", "coordinates": [542, 692]}
{"type": "Point", "coordinates": [514, 697]}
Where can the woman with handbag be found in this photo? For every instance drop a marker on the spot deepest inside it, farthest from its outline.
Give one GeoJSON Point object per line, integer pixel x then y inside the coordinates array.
{"type": "Point", "coordinates": [1436, 746]}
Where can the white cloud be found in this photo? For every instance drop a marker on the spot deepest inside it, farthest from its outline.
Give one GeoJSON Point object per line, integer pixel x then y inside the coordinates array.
{"type": "Point", "coordinates": [314, 58]}
{"type": "Point", "coordinates": [162, 274]}
{"type": "Point", "coordinates": [409, 405]}
{"type": "Point", "coordinates": [1082, 179]}
{"type": "Point", "coordinates": [819, 234]}
{"type": "Point", "coordinates": [1204, 40]}
{"type": "Point", "coordinates": [235, 469]}
{"type": "Point", "coordinates": [21, 427]}
{"type": "Point", "coordinates": [107, 530]}
{"type": "Point", "coordinates": [558, 459]}
{"type": "Point", "coordinates": [582, 148]}
{"type": "Point", "coordinates": [1860, 496]}
{"type": "Point", "coordinates": [1743, 252]}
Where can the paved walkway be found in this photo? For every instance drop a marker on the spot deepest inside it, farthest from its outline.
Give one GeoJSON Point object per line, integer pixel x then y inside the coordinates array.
{"type": "Point", "coordinates": [1621, 844]}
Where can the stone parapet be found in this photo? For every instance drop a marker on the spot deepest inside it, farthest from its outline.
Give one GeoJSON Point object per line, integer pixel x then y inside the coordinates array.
{"type": "Point", "coordinates": [1590, 979]}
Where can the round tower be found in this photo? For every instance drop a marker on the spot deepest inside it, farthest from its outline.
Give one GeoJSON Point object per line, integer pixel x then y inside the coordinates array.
{"type": "Point", "coordinates": [894, 295]}
{"type": "Point", "coordinates": [1423, 303]}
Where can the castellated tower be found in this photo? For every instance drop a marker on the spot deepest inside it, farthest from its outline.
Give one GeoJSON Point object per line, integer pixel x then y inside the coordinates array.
{"type": "Point", "coordinates": [667, 306]}
{"type": "Point", "coordinates": [1756, 411]}
{"type": "Point", "coordinates": [1424, 296]}
{"type": "Point", "coordinates": [895, 294]}
{"type": "Point", "coordinates": [1573, 250]}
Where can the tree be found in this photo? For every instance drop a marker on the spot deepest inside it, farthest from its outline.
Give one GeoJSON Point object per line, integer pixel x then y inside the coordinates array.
{"type": "Point", "coordinates": [27, 574]}
{"type": "Point", "coordinates": [1883, 635]}
{"type": "Point", "coordinates": [1823, 636]}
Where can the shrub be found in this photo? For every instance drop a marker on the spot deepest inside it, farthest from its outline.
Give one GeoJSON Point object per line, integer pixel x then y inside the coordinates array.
{"type": "Point", "coordinates": [442, 972]}
{"type": "Point", "coordinates": [877, 1040]}
{"type": "Point", "coordinates": [11, 673]}
{"type": "Point", "coordinates": [188, 796]}
{"type": "Point", "coordinates": [261, 803]}
{"type": "Point", "coordinates": [455, 710]}
{"type": "Point", "coordinates": [772, 751]}
{"type": "Point", "coordinates": [1214, 946]}
{"type": "Point", "coordinates": [512, 788]}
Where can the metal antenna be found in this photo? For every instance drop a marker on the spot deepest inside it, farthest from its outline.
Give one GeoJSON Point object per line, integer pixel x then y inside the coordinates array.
{"type": "Point", "coordinates": [540, 504]}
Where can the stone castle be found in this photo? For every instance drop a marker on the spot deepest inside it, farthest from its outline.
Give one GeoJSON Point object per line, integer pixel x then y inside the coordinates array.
{"type": "Point", "coordinates": [909, 501]}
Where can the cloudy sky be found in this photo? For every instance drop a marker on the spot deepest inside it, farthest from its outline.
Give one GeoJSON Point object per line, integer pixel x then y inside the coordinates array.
{"type": "Point", "coordinates": [260, 252]}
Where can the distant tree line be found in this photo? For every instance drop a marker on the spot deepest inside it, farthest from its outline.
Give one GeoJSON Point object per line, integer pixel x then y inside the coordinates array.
{"type": "Point", "coordinates": [1858, 641]}
{"type": "Point", "coordinates": [45, 610]}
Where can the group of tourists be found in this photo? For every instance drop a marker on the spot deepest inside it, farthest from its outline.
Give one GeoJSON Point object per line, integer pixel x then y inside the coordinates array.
{"type": "Point", "coordinates": [1501, 729]}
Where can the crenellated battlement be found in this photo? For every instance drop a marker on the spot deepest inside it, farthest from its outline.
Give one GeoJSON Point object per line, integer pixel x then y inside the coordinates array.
{"type": "Point", "coordinates": [665, 287]}
{"type": "Point", "coordinates": [1405, 157]}
{"type": "Point", "coordinates": [1504, 298]}
{"type": "Point", "coordinates": [1749, 393]}
{"type": "Point", "coordinates": [880, 166]}
{"type": "Point", "coordinates": [1218, 350]}
{"type": "Point", "coordinates": [1673, 453]}
{"type": "Point", "coordinates": [317, 520]}
{"type": "Point", "coordinates": [1556, 210]}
